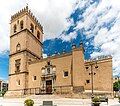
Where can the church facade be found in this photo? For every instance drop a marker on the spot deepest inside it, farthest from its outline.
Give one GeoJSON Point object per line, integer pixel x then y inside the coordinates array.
{"type": "Point", "coordinates": [67, 74]}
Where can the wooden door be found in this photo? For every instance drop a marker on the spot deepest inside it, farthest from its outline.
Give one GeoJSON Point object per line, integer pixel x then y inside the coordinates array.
{"type": "Point", "coordinates": [49, 87]}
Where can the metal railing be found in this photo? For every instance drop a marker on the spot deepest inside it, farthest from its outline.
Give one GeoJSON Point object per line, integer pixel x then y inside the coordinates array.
{"type": "Point", "coordinates": [68, 89]}
{"type": "Point", "coordinates": [32, 91]}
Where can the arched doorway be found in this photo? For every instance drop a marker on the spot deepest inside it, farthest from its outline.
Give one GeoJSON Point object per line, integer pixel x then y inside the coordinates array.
{"type": "Point", "coordinates": [49, 87]}
{"type": "Point", "coordinates": [48, 78]}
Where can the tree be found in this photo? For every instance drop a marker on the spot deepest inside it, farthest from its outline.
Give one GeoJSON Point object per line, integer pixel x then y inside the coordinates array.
{"type": "Point", "coordinates": [115, 86]}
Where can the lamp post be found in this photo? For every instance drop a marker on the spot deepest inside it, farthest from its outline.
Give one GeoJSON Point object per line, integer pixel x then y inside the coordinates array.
{"type": "Point", "coordinates": [92, 73]}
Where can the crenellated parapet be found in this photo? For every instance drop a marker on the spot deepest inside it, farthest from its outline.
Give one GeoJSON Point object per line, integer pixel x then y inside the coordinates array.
{"type": "Point", "coordinates": [98, 59]}
{"type": "Point", "coordinates": [19, 13]}
{"type": "Point", "coordinates": [26, 10]}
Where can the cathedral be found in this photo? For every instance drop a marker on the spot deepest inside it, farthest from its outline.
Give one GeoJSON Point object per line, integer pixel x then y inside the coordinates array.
{"type": "Point", "coordinates": [67, 74]}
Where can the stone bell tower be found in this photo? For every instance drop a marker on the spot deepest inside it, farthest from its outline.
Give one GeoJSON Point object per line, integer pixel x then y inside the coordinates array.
{"type": "Point", "coordinates": [26, 35]}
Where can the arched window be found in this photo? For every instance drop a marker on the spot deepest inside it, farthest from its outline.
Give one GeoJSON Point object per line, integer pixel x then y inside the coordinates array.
{"type": "Point", "coordinates": [15, 28]}
{"type": "Point", "coordinates": [18, 82]}
{"type": "Point", "coordinates": [38, 34]}
{"type": "Point", "coordinates": [21, 25]}
{"type": "Point", "coordinates": [18, 47]}
{"type": "Point", "coordinates": [32, 28]}
{"type": "Point", "coordinates": [17, 65]}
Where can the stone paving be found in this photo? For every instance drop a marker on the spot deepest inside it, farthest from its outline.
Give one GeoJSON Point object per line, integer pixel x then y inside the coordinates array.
{"type": "Point", "coordinates": [57, 101]}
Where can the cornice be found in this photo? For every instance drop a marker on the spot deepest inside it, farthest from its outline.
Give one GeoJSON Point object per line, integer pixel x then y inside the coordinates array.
{"type": "Point", "coordinates": [22, 51]}
{"type": "Point", "coordinates": [18, 73]}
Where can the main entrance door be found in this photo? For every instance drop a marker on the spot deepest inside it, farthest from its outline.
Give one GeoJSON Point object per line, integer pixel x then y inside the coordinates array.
{"type": "Point", "coordinates": [49, 87]}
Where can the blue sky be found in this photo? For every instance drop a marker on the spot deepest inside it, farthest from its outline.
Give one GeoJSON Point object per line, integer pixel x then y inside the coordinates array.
{"type": "Point", "coordinates": [94, 22]}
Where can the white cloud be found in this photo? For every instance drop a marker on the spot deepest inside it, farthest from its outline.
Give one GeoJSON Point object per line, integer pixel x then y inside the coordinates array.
{"type": "Point", "coordinates": [68, 37]}
{"type": "Point", "coordinates": [4, 40]}
{"type": "Point", "coordinates": [51, 14]}
{"type": "Point", "coordinates": [7, 8]}
{"type": "Point", "coordinates": [97, 18]}
{"type": "Point", "coordinates": [87, 43]}
{"type": "Point", "coordinates": [96, 54]}
{"type": "Point", "coordinates": [44, 55]}
{"type": "Point", "coordinates": [102, 34]}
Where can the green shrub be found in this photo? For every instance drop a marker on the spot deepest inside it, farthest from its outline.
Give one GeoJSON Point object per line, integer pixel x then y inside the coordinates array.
{"type": "Point", "coordinates": [3, 92]}
{"type": "Point", "coordinates": [96, 99]}
{"type": "Point", "coordinates": [118, 97]}
{"type": "Point", "coordinates": [29, 102]}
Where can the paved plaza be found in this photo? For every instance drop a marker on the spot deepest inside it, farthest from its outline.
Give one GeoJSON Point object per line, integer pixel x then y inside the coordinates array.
{"type": "Point", "coordinates": [59, 101]}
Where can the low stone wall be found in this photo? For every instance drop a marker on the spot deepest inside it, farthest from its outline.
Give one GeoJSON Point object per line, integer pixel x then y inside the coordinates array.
{"type": "Point", "coordinates": [66, 91]}
{"type": "Point", "coordinates": [14, 94]}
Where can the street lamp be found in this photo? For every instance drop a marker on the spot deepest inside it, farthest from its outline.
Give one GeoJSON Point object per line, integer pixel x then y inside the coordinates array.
{"type": "Point", "coordinates": [92, 73]}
